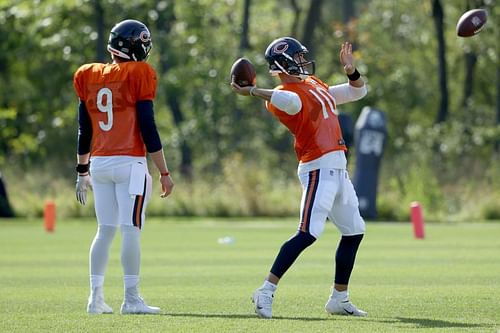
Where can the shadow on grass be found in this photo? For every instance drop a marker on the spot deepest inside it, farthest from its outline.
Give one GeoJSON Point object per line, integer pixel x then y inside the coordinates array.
{"type": "Point", "coordinates": [239, 316]}
{"type": "Point", "coordinates": [432, 323]}
{"type": "Point", "coordinates": [419, 322]}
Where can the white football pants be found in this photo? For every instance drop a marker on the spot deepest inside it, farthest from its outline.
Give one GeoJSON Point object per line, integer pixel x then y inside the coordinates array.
{"type": "Point", "coordinates": [329, 193]}
{"type": "Point", "coordinates": [121, 195]}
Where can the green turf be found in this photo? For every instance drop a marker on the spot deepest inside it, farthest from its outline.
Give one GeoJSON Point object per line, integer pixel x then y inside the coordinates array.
{"type": "Point", "coordinates": [449, 282]}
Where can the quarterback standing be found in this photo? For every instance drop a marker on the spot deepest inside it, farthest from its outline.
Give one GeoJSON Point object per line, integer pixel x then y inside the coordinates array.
{"type": "Point", "coordinates": [307, 107]}
{"type": "Point", "coordinates": [116, 131]}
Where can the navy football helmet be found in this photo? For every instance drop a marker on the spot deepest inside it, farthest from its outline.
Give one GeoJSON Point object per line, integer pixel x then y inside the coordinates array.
{"type": "Point", "coordinates": [130, 40]}
{"type": "Point", "coordinates": [287, 55]}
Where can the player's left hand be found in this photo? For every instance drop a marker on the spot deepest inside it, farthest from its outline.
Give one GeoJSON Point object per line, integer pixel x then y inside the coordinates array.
{"type": "Point", "coordinates": [346, 58]}
{"type": "Point", "coordinates": [167, 185]}
{"type": "Point", "coordinates": [244, 91]}
{"type": "Point", "coordinates": [82, 184]}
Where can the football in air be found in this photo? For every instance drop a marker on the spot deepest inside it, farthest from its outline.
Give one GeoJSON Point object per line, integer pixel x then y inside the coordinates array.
{"type": "Point", "coordinates": [471, 22]}
{"type": "Point", "coordinates": [243, 73]}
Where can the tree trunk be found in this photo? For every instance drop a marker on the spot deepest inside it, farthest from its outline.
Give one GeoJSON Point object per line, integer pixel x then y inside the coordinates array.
{"type": "Point", "coordinates": [164, 24]}
{"type": "Point", "coordinates": [296, 17]}
{"type": "Point", "coordinates": [347, 10]}
{"type": "Point", "coordinates": [497, 144]}
{"type": "Point", "coordinates": [313, 20]}
{"type": "Point", "coordinates": [438, 15]}
{"type": "Point", "coordinates": [244, 45]}
{"type": "Point", "coordinates": [470, 64]}
{"type": "Point", "coordinates": [99, 23]}
{"type": "Point", "coordinates": [348, 17]}
{"type": "Point", "coordinates": [495, 18]}
{"type": "Point", "coordinates": [244, 41]}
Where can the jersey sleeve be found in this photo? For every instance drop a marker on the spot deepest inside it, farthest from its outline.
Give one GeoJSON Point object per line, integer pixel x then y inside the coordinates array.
{"type": "Point", "coordinates": [271, 107]}
{"type": "Point", "coordinates": [78, 82]}
{"type": "Point", "coordinates": [344, 93]}
{"type": "Point", "coordinates": [144, 82]}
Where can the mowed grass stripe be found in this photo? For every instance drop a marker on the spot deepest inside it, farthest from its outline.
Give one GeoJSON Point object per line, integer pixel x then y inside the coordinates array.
{"type": "Point", "coordinates": [449, 282]}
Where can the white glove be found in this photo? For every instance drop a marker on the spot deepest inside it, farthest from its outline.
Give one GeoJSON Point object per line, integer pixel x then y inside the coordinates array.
{"type": "Point", "coordinates": [82, 183]}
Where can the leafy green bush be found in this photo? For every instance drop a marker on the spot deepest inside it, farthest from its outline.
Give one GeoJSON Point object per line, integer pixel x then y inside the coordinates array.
{"type": "Point", "coordinates": [465, 192]}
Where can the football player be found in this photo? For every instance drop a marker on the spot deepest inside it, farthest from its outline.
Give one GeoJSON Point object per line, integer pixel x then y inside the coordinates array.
{"type": "Point", "coordinates": [116, 130]}
{"type": "Point", "coordinates": [307, 107]}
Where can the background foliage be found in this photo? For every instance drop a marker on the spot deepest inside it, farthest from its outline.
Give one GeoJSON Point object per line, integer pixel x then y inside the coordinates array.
{"type": "Point", "coordinates": [228, 156]}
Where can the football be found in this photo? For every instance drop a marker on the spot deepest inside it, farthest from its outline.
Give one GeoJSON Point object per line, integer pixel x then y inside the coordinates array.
{"type": "Point", "coordinates": [471, 22]}
{"type": "Point", "coordinates": [243, 73]}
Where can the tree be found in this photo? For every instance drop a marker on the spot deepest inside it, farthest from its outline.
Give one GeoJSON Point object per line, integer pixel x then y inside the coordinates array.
{"type": "Point", "coordinates": [244, 43]}
{"type": "Point", "coordinates": [438, 15]}
{"type": "Point", "coordinates": [296, 17]}
{"type": "Point", "coordinates": [99, 23]}
{"type": "Point", "coordinates": [313, 19]}
{"type": "Point", "coordinates": [166, 19]}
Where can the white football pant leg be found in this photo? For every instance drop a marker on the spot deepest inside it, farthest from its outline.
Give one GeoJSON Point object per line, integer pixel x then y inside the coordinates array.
{"type": "Point", "coordinates": [131, 249]}
{"type": "Point", "coordinates": [99, 253]}
{"type": "Point", "coordinates": [319, 191]}
{"type": "Point", "coordinates": [345, 212]}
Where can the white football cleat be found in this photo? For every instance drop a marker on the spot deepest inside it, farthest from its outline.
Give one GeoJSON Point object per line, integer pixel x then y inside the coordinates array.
{"type": "Point", "coordinates": [136, 305]}
{"type": "Point", "coordinates": [96, 304]}
{"type": "Point", "coordinates": [345, 308]}
{"type": "Point", "coordinates": [263, 301]}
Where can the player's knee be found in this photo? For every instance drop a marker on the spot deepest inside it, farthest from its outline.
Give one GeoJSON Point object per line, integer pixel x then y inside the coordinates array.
{"type": "Point", "coordinates": [351, 240]}
{"type": "Point", "coordinates": [302, 240]}
{"type": "Point", "coordinates": [106, 231]}
{"type": "Point", "coordinates": [129, 229]}
{"type": "Point", "coordinates": [316, 230]}
{"type": "Point", "coordinates": [130, 232]}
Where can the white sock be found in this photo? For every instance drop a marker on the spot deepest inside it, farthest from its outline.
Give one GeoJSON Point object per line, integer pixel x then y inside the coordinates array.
{"type": "Point", "coordinates": [96, 281]}
{"type": "Point", "coordinates": [340, 295]}
{"type": "Point", "coordinates": [130, 281]}
{"type": "Point", "coordinates": [269, 286]}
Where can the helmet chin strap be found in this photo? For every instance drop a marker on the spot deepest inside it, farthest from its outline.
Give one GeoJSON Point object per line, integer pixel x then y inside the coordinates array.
{"type": "Point", "coordinates": [283, 70]}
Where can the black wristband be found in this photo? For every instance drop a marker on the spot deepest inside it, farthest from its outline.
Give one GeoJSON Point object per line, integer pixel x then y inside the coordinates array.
{"type": "Point", "coordinates": [82, 168]}
{"type": "Point", "coordinates": [354, 76]}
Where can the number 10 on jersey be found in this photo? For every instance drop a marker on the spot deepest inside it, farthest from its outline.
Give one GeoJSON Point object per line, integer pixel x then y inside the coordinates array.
{"type": "Point", "coordinates": [324, 98]}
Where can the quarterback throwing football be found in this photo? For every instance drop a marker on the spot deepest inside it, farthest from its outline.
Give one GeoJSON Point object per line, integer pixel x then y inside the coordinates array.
{"type": "Point", "coordinates": [116, 130]}
{"type": "Point", "coordinates": [307, 107]}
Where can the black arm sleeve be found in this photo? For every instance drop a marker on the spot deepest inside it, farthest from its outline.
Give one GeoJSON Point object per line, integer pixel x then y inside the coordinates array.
{"type": "Point", "coordinates": [145, 116]}
{"type": "Point", "coordinates": [84, 130]}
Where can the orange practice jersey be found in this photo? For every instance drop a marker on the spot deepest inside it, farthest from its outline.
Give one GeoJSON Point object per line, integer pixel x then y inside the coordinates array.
{"type": "Point", "coordinates": [110, 93]}
{"type": "Point", "coordinates": [316, 127]}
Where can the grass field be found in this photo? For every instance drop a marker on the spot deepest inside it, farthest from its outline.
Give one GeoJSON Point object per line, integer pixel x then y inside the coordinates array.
{"type": "Point", "coordinates": [449, 282]}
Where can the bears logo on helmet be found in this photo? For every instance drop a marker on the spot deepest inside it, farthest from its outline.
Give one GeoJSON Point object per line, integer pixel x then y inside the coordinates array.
{"type": "Point", "coordinates": [130, 40]}
{"type": "Point", "coordinates": [280, 47]}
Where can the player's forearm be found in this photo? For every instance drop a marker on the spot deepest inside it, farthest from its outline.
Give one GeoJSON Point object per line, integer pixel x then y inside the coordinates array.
{"type": "Point", "coordinates": [159, 161]}
{"type": "Point", "coordinates": [83, 159]}
{"type": "Point", "coordinates": [345, 93]}
{"type": "Point", "coordinates": [262, 93]}
{"type": "Point", "coordinates": [84, 130]}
